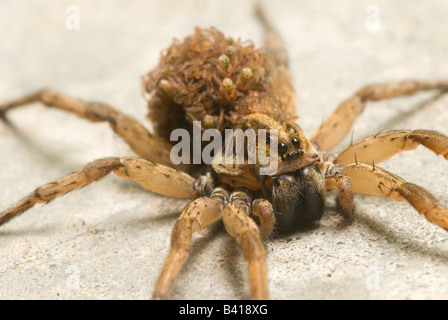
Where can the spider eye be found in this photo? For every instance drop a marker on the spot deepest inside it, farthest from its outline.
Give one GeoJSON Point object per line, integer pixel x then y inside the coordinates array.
{"type": "Point", "coordinates": [295, 142]}
{"type": "Point", "coordinates": [282, 148]}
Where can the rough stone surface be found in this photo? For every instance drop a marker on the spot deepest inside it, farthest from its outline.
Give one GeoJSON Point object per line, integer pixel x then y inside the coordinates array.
{"type": "Point", "coordinates": [109, 240]}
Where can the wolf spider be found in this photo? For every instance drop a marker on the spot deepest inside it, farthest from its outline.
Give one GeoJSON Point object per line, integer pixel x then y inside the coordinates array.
{"type": "Point", "coordinates": [249, 205]}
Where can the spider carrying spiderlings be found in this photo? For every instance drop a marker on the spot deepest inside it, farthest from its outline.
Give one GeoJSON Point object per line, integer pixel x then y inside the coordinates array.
{"type": "Point", "coordinates": [229, 84]}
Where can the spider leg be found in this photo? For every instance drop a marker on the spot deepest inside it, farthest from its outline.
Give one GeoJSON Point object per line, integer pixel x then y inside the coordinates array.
{"type": "Point", "coordinates": [152, 176]}
{"type": "Point", "coordinates": [197, 215]}
{"type": "Point", "coordinates": [129, 129]}
{"type": "Point", "coordinates": [336, 126]}
{"type": "Point", "coordinates": [382, 146]}
{"type": "Point", "coordinates": [244, 230]}
{"type": "Point", "coordinates": [368, 179]}
{"type": "Point", "coordinates": [263, 210]}
{"type": "Point", "coordinates": [345, 188]}
{"type": "Point", "coordinates": [281, 75]}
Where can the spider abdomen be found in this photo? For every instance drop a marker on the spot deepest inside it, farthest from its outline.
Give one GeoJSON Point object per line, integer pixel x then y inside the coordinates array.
{"type": "Point", "coordinates": [202, 78]}
{"type": "Point", "coordinates": [211, 78]}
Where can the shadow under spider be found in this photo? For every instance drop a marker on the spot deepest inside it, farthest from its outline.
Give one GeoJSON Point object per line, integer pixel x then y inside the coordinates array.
{"type": "Point", "coordinates": [392, 122]}
{"type": "Point", "coordinates": [214, 235]}
{"type": "Point", "coordinates": [400, 242]}
{"type": "Point", "coordinates": [45, 155]}
{"type": "Point", "coordinates": [229, 258]}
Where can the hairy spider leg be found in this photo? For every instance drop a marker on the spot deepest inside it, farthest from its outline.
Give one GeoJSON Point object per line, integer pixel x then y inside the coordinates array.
{"type": "Point", "coordinates": [382, 146]}
{"type": "Point", "coordinates": [196, 216]}
{"type": "Point", "coordinates": [373, 180]}
{"type": "Point", "coordinates": [140, 140]}
{"type": "Point", "coordinates": [246, 233]}
{"type": "Point", "coordinates": [337, 125]}
{"type": "Point", "coordinates": [150, 175]}
{"type": "Point", "coordinates": [281, 75]}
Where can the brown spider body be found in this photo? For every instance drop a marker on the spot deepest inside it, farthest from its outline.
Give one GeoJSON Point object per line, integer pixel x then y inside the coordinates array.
{"type": "Point", "coordinates": [226, 84]}
{"type": "Point", "coordinates": [212, 79]}
{"type": "Point", "coordinates": [229, 84]}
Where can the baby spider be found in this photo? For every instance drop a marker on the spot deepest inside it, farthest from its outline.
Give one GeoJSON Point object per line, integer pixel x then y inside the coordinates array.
{"type": "Point", "coordinates": [229, 84]}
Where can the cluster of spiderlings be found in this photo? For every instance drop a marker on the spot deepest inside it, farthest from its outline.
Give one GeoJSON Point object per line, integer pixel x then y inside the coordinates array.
{"type": "Point", "coordinates": [204, 78]}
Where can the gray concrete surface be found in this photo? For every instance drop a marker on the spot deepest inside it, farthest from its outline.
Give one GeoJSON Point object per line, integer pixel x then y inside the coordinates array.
{"type": "Point", "coordinates": [109, 240]}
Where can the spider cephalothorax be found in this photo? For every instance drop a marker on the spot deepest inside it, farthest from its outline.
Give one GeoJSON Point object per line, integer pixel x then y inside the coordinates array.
{"type": "Point", "coordinates": [296, 186]}
{"type": "Point", "coordinates": [227, 84]}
